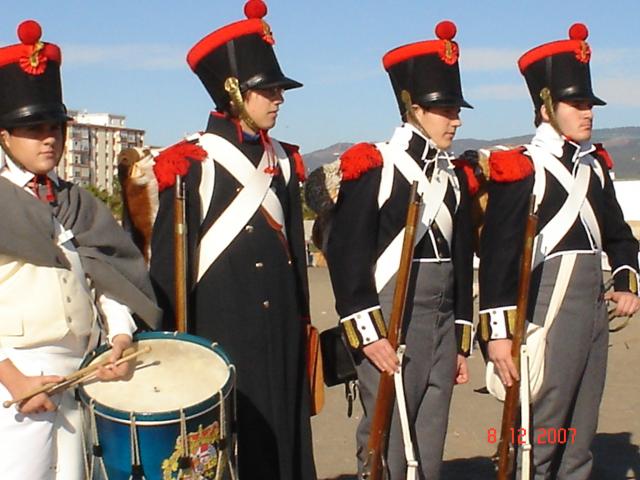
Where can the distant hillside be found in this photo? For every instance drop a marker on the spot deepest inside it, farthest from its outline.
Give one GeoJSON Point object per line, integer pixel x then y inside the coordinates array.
{"type": "Point", "coordinates": [622, 143]}
{"type": "Point", "coordinates": [319, 157]}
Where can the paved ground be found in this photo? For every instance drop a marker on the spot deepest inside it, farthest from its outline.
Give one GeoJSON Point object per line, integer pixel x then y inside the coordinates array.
{"type": "Point", "coordinates": [467, 450]}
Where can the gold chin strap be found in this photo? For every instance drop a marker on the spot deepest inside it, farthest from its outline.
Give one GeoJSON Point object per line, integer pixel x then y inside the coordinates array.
{"type": "Point", "coordinates": [405, 96]}
{"type": "Point", "coordinates": [232, 87]}
{"type": "Point", "coordinates": [545, 95]}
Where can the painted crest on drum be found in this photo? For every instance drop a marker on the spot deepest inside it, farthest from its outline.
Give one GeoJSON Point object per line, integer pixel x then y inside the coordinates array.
{"type": "Point", "coordinates": [203, 453]}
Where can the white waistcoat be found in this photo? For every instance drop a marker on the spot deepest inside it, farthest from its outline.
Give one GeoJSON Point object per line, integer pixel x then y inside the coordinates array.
{"type": "Point", "coordinates": [40, 305]}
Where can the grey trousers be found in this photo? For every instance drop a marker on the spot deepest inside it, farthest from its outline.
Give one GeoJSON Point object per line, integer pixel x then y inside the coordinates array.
{"type": "Point", "coordinates": [574, 376]}
{"type": "Point", "coordinates": [428, 370]}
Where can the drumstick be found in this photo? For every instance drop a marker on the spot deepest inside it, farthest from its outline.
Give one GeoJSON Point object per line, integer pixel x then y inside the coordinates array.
{"type": "Point", "coordinates": [77, 377]}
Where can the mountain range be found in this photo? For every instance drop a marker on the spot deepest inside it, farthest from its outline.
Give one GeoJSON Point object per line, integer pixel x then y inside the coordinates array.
{"type": "Point", "coordinates": [622, 143]}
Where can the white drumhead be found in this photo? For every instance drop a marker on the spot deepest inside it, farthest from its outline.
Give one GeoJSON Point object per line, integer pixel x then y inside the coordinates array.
{"type": "Point", "coordinates": [175, 374]}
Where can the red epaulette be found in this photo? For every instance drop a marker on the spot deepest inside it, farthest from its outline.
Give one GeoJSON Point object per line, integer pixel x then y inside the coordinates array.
{"type": "Point", "coordinates": [469, 171]}
{"type": "Point", "coordinates": [176, 160]}
{"type": "Point", "coordinates": [510, 165]}
{"type": "Point", "coordinates": [359, 159]}
{"type": "Point", "coordinates": [604, 155]}
{"type": "Point", "coordinates": [294, 152]}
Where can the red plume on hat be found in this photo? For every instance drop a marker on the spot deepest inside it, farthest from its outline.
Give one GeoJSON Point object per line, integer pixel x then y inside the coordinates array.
{"type": "Point", "coordinates": [255, 9]}
{"type": "Point", "coordinates": [31, 54]}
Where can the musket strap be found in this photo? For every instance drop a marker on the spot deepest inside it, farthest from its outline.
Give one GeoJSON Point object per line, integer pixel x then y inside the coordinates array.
{"type": "Point", "coordinates": [412, 463]}
{"type": "Point", "coordinates": [525, 421]}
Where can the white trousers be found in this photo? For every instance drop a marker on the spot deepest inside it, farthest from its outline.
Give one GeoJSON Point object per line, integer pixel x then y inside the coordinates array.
{"type": "Point", "coordinates": [45, 446]}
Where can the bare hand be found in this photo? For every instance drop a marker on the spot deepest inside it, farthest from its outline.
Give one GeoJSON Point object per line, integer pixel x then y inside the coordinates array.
{"type": "Point", "coordinates": [500, 354]}
{"type": "Point", "coordinates": [383, 356]}
{"type": "Point", "coordinates": [38, 403]}
{"type": "Point", "coordinates": [462, 370]}
{"type": "Point", "coordinates": [111, 372]}
{"type": "Point", "coordinates": [627, 303]}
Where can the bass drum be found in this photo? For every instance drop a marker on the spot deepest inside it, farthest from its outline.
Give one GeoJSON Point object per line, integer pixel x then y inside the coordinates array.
{"type": "Point", "coordinates": [173, 419]}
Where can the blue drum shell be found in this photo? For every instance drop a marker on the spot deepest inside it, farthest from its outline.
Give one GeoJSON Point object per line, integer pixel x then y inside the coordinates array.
{"type": "Point", "coordinates": [156, 432]}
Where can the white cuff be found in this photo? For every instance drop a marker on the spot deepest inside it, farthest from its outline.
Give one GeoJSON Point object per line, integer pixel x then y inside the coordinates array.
{"type": "Point", "coordinates": [117, 317]}
{"type": "Point", "coordinates": [497, 323]}
{"type": "Point", "coordinates": [364, 327]}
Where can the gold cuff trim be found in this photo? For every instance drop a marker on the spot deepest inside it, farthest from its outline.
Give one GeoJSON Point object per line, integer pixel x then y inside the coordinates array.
{"type": "Point", "coordinates": [494, 324]}
{"type": "Point", "coordinates": [364, 327]}
{"type": "Point", "coordinates": [464, 334]}
{"type": "Point", "coordinates": [352, 335]}
{"type": "Point", "coordinates": [633, 282]}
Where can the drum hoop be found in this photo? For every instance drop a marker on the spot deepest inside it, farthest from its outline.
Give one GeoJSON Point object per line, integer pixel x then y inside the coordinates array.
{"type": "Point", "coordinates": [168, 416]}
{"type": "Point", "coordinates": [152, 423]}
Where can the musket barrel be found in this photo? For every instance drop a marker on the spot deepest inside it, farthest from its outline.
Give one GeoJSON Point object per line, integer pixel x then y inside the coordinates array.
{"type": "Point", "coordinates": [180, 256]}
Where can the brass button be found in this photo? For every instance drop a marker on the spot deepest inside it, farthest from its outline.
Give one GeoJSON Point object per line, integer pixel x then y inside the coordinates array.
{"type": "Point", "coordinates": [259, 264]}
{"type": "Point", "coordinates": [64, 280]}
{"type": "Point", "coordinates": [69, 320]}
{"type": "Point", "coordinates": [68, 299]}
{"type": "Point", "coordinates": [266, 304]}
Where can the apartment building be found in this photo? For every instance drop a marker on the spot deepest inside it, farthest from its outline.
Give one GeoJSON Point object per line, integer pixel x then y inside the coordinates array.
{"type": "Point", "coordinates": [93, 143]}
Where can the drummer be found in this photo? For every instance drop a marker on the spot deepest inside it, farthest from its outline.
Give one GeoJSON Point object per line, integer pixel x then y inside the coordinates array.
{"type": "Point", "coordinates": [64, 261]}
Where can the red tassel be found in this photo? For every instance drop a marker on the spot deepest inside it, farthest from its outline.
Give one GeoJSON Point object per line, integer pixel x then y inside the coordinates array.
{"type": "Point", "coordinates": [510, 165]}
{"type": "Point", "coordinates": [359, 159]}
{"type": "Point", "coordinates": [176, 160]}
{"type": "Point", "coordinates": [604, 155]}
{"type": "Point", "coordinates": [294, 152]}
{"type": "Point", "coordinates": [472, 181]}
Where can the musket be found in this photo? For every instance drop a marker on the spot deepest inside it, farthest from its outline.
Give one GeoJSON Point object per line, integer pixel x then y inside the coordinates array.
{"type": "Point", "coordinates": [180, 256]}
{"type": "Point", "coordinates": [378, 436]}
{"type": "Point", "coordinates": [506, 450]}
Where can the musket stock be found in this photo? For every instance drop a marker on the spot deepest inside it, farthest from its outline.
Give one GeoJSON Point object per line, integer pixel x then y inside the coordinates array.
{"type": "Point", "coordinates": [506, 450]}
{"type": "Point", "coordinates": [374, 466]}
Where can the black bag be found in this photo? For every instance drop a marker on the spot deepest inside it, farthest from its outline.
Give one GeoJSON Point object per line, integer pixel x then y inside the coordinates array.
{"type": "Point", "coordinates": [338, 363]}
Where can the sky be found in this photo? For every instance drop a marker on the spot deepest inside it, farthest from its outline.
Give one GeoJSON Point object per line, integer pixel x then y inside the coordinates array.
{"type": "Point", "coordinates": [128, 57]}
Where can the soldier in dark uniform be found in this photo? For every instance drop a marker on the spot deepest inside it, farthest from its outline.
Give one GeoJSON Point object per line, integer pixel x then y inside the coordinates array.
{"type": "Point", "coordinates": [363, 255]}
{"type": "Point", "coordinates": [248, 282]}
{"type": "Point", "coordinates": [579, 217]}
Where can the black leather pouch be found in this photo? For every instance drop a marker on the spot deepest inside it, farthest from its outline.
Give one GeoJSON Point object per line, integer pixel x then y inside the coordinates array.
{"type": "Point", "coordinates": [338, 361]}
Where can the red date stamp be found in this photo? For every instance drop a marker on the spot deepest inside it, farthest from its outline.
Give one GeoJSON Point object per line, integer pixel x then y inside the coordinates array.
{"type": "Point", "coordinates": [541, 436]}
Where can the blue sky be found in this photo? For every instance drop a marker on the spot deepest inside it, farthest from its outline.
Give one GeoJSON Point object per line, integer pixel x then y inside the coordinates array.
{"type": "Point", "coordinates": [128, 57]}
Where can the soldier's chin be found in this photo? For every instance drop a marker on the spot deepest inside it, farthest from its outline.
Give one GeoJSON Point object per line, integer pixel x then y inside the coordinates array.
{"type": "Point", "coordinates": [445, 142]}
{"type": "Point", "coordinates": [268, 123]}
{"type": "Point", "coordinates": [585, 135]}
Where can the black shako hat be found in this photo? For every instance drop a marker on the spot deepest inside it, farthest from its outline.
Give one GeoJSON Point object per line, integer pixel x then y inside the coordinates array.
{"type": "Point", "coordinates": [562, 67]}
{"type": "Point", "coordinates": [428, 71]}
{"type": "Point", "coordinates": [30, 85]}
{"type": "Point", "coordinates": [241, 50]}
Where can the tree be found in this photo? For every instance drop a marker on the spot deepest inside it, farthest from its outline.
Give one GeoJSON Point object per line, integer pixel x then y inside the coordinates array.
{"type": "Point", "coordinates": [113, 200]}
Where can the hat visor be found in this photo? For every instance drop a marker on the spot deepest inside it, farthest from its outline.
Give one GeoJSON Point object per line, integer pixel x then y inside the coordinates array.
{"type": "Point", "coordinates": [265, 83]}
{"type": "Point", "coordinates": [581, 97]}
